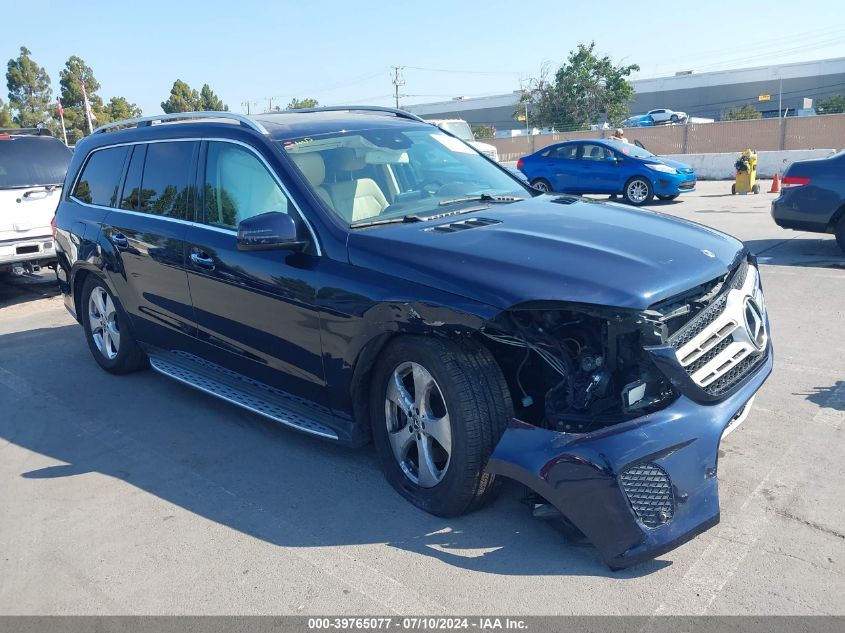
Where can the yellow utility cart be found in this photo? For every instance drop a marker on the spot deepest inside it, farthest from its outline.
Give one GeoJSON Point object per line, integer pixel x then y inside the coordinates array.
{"type": "Point", "coordinates": [746, 173]}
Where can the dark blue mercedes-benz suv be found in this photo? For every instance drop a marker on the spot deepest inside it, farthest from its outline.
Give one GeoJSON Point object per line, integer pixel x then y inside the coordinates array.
{"type": "Point", "coordinates": [358, 274]}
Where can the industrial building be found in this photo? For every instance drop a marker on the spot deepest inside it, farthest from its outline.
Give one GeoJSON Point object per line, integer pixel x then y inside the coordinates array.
{"type": "Point", "coordinates": [708, 95]}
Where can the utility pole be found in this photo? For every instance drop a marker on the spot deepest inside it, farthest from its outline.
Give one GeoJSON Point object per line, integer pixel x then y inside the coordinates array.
{"type": "Point", "coordinates": [398, 80]}
{"type": "Point", "coordinates": [245, 104]}
{"type": "Point", "coordinates": [270, 102]}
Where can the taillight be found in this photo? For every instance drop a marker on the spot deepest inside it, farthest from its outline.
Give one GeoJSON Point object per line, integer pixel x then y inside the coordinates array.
{"type": "Point", "coordinates": [519, 164]}
{"type": "Point", "coordinates": [793, 181]}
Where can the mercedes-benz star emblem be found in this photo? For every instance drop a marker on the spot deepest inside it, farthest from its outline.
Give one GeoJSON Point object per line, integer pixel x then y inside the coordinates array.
{"type": "Point", "coordinates": [754, 323]}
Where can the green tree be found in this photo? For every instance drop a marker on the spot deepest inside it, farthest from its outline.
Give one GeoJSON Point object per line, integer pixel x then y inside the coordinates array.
{"type": "Point", "coordinates": [6, 119]}
{"type": "Point", "coordinates": [743, 113]}
{"type": "Point", "coordinates": [583, 90]}
{"type": "Point", "coordinates": [831, 105]}
{"type": "Point", "coordinates": [484, 131]}
{"type": "Point", "coordinates": [29, 90]}
{"type": "Point", "coordinates": [118, 108]}
{"type": "Point", "coordinates": [210, 101]}
{"type": "Point", "coordinates": [70, 79]}
{"type": "Point", "coordinates": [182, 99]}
{"type": "Point", "coordinates": [296, 104]}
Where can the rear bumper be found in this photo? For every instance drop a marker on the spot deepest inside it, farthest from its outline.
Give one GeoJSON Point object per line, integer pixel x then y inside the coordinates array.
{"type": "Point", "coordinates": [579, 473]}
{"type": "Point", "coordinates": [790, 211]}
{"type": "Point", "coordinates": [27, 249]}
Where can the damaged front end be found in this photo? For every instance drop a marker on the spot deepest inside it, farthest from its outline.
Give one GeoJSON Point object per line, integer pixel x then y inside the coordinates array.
{"type": "Point", "coordinates": [620, 412]}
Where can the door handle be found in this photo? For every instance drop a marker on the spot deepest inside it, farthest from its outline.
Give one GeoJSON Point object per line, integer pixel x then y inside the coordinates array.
{"type": "Point", "coordinates": [202, 260]}
{"type": "Point", "coordinates": [120, 240]}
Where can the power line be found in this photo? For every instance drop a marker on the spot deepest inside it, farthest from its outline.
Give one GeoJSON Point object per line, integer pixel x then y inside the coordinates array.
{"type": "Point", "coordinates": [465, 72]}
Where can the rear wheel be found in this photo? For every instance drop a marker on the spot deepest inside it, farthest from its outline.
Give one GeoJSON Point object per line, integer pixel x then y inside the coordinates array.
{"type": "Point", "coordinates": [638, 191]}
{"type": "Point", "coordinates": [438, 410]}
{"type": "Point", "coordinates": [733, 189]}
{"type": "Point", "coordinates": [755, 189]}
{"type": "Point", "coordinates": [541, 184]}
{"type": "Point", "coordinates": [840, 233]}
{"type": "Point", "coordinates": [106, 330]}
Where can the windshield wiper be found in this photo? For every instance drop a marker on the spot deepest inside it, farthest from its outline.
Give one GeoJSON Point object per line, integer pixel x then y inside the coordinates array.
{"type": "Point", "coordinates": [484, 197]}
{"type": "Point", "coordinates": [394, 220]}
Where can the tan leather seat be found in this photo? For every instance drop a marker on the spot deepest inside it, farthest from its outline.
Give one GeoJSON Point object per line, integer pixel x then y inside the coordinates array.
{"type": "Point", "coordinates": [313, 168]}
{"type": "Point", "coordinates": [358, 198]}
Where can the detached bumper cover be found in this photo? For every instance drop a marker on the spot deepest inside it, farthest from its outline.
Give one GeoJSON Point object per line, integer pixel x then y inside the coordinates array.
{"type": "Point", "coordinates": [580, 473]}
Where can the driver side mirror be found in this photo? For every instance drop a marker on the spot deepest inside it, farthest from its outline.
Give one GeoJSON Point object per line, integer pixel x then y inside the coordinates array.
{"type": "Point", "coordinates": [268, 231]}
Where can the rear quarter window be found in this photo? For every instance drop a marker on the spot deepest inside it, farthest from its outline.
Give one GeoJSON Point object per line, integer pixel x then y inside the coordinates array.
{"type": "Point", "coordinates": [29, 161]}
{"type": "Point", "coordinates": [100, 178]}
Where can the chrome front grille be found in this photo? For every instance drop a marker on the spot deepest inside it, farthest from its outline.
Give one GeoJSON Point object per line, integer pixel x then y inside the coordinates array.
{"type": "Point", "coordinates": [727, 340]}
{"type": "Point", "coordinates": [649, 491]}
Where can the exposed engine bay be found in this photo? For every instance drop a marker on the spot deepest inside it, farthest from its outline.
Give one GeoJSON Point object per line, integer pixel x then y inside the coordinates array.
{"type": "Point", "coordinates": [577, 369]}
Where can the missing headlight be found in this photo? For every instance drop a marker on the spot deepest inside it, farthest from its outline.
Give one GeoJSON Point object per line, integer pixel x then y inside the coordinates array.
{"type": "Point", "coordinates": [576, 369]}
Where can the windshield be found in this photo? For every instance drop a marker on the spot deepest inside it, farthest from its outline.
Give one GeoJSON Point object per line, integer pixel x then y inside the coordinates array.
{"type": "Point", "coordinates": [629, 149]}
{"type": "Point", "coordinates": [32, 160]}
{"type": "Point", "coordinates": [461, 129]}
{"type": "Point", "coordinates": [392, 173]}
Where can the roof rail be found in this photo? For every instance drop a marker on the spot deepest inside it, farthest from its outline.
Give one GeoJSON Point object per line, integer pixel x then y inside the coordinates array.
{"type": "Point", "coordinates": [353, 108]}
{"type": "Point", "coordinates": [178, 116]}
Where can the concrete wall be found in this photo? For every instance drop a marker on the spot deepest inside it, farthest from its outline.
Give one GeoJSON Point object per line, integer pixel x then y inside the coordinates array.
{"type": "Point", "coordinates": [721, 166]}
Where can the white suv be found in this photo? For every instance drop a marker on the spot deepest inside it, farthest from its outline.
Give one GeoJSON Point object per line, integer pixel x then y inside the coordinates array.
{"type": "Point", "coordinates": [32, 169]}
{"type": "Point", "coordinates": [463, 131]}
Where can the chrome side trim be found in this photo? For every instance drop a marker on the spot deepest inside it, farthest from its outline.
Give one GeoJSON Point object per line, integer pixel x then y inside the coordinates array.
{"type": "Point", "coordinates": [269, 169]}
{"type": "Point", "coordinates": [182, 116]}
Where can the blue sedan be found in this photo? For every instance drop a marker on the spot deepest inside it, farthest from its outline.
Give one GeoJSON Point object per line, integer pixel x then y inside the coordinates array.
{"type": "Point", "coordinates": [603, 166]}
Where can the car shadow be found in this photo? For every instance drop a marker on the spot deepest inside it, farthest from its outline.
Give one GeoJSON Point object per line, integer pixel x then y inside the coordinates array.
{"type": "Point", "coordinates": [832, 397]}
{"type": "Point", "coordinates": [15, 290]}
{"type": "Point", "coordinates": [821, 251]}
{"type": "Point", "coordinates": [234, 468]}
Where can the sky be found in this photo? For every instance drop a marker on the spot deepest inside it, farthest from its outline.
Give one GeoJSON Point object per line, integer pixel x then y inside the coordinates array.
{"type": "Point", "coordinates": [250, 51]}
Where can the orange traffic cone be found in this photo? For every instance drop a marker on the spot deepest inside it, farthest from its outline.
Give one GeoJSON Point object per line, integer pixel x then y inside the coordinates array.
{"type": "Point", "coordinates": [775, 184]}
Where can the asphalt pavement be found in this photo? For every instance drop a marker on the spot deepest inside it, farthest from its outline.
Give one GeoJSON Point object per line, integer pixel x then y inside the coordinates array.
{"type": "Point", "coordinates": [137, 495]}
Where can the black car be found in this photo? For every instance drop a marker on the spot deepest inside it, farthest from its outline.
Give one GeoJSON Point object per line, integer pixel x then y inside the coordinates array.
{"type": "Point", "coordinates": [358, 274]}
{"type": "Point", "coordinates": [812, 197]}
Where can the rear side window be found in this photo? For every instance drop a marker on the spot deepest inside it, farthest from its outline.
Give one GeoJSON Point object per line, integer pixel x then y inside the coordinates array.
{"type": "Point", "coordinates": [566, 152]}
{"type": "Point", "coordinates": [167, 181]}
{"type": "Point", "coordinates": [39, 160]}
{"type": "Point", "coordinates": [100, 178]}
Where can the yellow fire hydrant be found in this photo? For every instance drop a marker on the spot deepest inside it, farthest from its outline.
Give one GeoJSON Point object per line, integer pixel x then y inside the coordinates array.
{"type": "Point", "coordinates": [746, 173]}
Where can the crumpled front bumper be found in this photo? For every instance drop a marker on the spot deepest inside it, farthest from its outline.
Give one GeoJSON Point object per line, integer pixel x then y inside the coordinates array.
{"type": "Point", "coordinates": [578, 473]}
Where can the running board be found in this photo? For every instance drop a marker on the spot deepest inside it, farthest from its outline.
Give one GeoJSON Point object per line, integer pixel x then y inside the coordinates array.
{"type": "Point", "coordinates": [244, 392]}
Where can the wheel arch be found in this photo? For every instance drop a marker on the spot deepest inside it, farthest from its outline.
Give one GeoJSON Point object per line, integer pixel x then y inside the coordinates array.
{"type": "Point", "coordinates": [418, 320]}
{"type": "Point", "coordinates": [835, 218]}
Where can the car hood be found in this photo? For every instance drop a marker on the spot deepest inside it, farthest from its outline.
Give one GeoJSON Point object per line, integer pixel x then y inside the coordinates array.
{"type": "Point", "coordinates": [668, 161]}
{"type": "Point", "coordinates": [559, 248]}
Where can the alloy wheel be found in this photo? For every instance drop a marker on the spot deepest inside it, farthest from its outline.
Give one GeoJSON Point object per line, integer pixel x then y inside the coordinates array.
{"type": "Point", "coordinates": [418, 424]}
{"type": "Point", "coordinates": [102, 321]}
{"type": "Point", "coordinates": [637, 191]}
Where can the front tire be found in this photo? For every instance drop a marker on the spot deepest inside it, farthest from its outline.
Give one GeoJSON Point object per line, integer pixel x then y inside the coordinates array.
{"type": "Point", "coordinates": [438, 411]}
{"type": "Point", "coordinates": [106, 330]}
{"type": "Point", "coordinates": [541, 184]}
{"type": "Point", "coordinates": [638, 191]}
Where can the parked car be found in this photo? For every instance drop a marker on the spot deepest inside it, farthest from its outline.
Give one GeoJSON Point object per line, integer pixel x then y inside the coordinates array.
{"type": "Point", "coordinates": [32, 169]}
{"type": "Point", "coordinates": [642, 120]}
{"type": "Point", "coordinates": [604, 166]}
{"type": "Point", "coordinates": [663, 115]}
{"type": "Point", "coordinates": [462, 130]}
{"type": "Point", "coordinates": [812, 197]}
{"type": "Point", "coordinates": [359, 275]}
